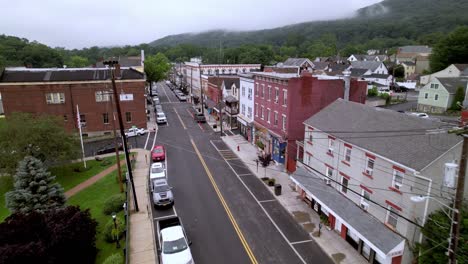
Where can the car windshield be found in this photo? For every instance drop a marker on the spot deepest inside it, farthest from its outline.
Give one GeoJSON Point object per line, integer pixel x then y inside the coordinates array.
{"type": "Point", "coordinates": [171, 247]}
{"type": "Point", "coordinates": [158, 150]}
{"type": "Point", "coordinates": [160, 115]}
{"type": "Point", "coordinates": [157, 170]}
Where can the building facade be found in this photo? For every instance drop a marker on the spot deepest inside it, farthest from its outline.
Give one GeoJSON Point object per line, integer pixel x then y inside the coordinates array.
{"type": "Point", "coordinates": [58, 92]}
{"type": "Point", "coordinates": [362, 180]}
{"type": "Point", "coordinates": [246, 109]}
{"type": "Point", "coordinates": [283, 101]}
{"type": "Point", "coordinates": [438, 95]}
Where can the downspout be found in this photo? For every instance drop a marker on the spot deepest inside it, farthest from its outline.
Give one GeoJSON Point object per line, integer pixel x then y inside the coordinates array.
{"type": "Point", "coordinates": [426, 206]}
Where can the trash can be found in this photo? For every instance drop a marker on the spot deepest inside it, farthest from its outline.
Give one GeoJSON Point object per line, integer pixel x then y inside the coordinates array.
{"type": "Point", "coordinates": [277, 189]}
{"type": "Point", "coordinates": [215, 126]}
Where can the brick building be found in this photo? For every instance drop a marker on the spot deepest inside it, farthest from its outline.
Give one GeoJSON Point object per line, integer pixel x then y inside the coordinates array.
{"type": "Point", "coordinates": [59, 91]}
{"type": "Point", "coordinates": [282, 101]}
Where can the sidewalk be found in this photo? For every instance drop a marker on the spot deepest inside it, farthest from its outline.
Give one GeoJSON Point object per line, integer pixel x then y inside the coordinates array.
{"type": "Point", "coordinates": [330, 241]}
{"type": "Point", "coordinates": [142, 244]}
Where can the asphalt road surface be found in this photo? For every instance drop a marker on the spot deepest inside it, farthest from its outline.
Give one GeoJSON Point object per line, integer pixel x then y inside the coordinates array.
{"type": "Point", "coordinates": [228, 213]}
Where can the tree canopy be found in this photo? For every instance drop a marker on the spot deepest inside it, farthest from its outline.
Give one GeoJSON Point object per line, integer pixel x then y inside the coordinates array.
{"type": "Point", "coordinates": [451, 49]}
{"type": "Point", "coordinates": [156, 68]}
{"type": "Point", "coordinates": [34, 189]}
{"type": "Point", "coordinates": [42, 137]}
{"type": "Point", "coordinates": [65, 235]}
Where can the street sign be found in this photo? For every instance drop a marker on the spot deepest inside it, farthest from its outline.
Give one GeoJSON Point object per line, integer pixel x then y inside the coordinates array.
{"type": "Point", "coordinates": [126, 97]}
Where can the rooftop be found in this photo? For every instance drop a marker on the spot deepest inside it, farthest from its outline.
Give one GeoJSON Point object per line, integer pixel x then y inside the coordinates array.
{"type": "Point", "coordinates": [415, 49]}
{"type": "Point", "coordinates": [277, 75]}
{"type": "Point", "coordinates": [65, 74]}
{"type": "Point", "coordinates": [380, 131]}
{"type": "Point", "coordinates": [452, 84]}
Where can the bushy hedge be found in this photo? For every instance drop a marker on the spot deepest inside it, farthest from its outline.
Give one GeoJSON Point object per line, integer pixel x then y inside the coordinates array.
{"type": "Point", "coordinates": [113, 204]}
{"type": "Point", "coordinates": [114, 259]}
{"type": "Point", "coordinates": [110, 232]}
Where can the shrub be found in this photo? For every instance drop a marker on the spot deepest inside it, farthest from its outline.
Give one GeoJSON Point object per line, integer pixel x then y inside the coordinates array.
{"type": "Point", "coordinates": [105, 163]}
{"type": "Point", "coordinates": [260, 144]}
{"type": "Point", "coordinates": [373, 92]}
{"type": "Point", "coordinates": [114, 259]}
{"type": "Point", "coordinates": [113, 204]}
{"type": "Point", "coordinates": [271, 182]}
{"type": "Point", "coordinates": [110, 232]}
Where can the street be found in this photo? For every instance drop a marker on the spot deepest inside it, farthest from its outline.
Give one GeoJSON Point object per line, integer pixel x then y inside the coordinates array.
{"type": "Point", "coordinates": [228, 213]}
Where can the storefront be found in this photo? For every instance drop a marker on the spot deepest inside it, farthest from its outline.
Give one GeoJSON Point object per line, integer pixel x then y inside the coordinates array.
{"type": "Point", "coordinates": [279, 149]}
{"type": "Point", "coordinates": [262, 138]}
{"type": "Point", "coordinates": [246, 128]}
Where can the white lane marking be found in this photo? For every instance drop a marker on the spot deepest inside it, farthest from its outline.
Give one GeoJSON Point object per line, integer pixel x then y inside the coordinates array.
{"type": "Point", "coordinates": [175, 212]}
{"type": "Point", "coordinates": [180, 119]}
{"type": "Point", "coordinates": [154, 139]}
{"type": "Point", "coordinates": [245, 174]}
{"type": "Point", "coordinates": [300, 242]}
{"type": "Point", "coordinates": [264, 210]}
{"type": "Point", "coordinates": [266, 201]}
{"type": "Point", "coordinates": [147, 139]}
{"type": "Point", "coordinates": [166, 95]}
{"type": "Point", "coordinates": [163, 217]}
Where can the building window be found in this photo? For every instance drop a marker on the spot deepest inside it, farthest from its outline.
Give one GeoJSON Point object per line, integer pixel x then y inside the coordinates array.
{"type": "Point", "coordinates": [249, 112]}
{"type": "Point", "coordinates": [256, 89]}
{"type": "Point", "coordinates": [243, 91]}
{"type": "Point", "coordinates": [128, 117]}
{"type": "Point", "coordinates": [55, 98]}
{"type": "Point", "coordinates": [102, 96]}
{"type": "Point", "coordinates": [370, 165]}
{"type": "Point", "coordinates": [347, 154]}
{"type": "Point", "coordinates": [275, 118]}
{"type": "Point", "coordinates": [331, 145]}
{"type": "Point", "coordinates": [256, 109]}
{"type": "Point", "coordinates": [65, 118]}
{"type": "Point", "coordinates": [276, 94]}
{"type": "Point", "coordinates": [105, 118]}
{"type": "Point", "coordinates": [436, 97]}
{"type": "Point", "coordinates": [329, 172]}
{"type": "Point", "coordinates": [392, 217]}
{"type": "Point", "coordinates": [436, 86]}
{"type": "Point", "coordinates": [365, 198]}
{"type": "Point", "coordinates": [262, 116]}
{"type": "Point", "coordinates": [285, 97]}
{"type": "Point", "coordinates": [344, 185]}
{"type": "Point", "coordinates": [263, 91]}
{"type": "Point", "coordinates": [268, 115]}
{"type": "Point", "coordinates": [269, 93]}
{"type": "Point", "coordinates": [243, 109]}
{"type": "Point", "coordinates": [284, 122]}
{"type": "Point", "coordinates": [397, 179]}
{"type": "Point", "coordinates": [250, 93]}
{"type": "Point", "coordinates": [82, 120]}
{"type": "Point", "coordinates": [311, 137]}
{"type": "Point", "coordinates": [426, 95]}
{"type": "Point", "coordinates": [310, 159]}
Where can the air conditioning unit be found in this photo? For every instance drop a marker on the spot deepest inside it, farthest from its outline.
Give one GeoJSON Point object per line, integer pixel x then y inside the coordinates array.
{"type": "Point", "coordinates": [364, 205]}
{"type": "Point", "coordinates": [276, 100]}
{"type": "Point", "coordinates": [327, 180]}
{"type": "Point", "coordinates": [397, 186]}
{"type": "Point", "coordinates": [330, 150]}
{"type": "Point", "coordinates": [369, 171]}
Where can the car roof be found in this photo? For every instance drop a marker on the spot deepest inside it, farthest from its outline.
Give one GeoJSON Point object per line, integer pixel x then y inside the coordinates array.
{"type": "Point", "coordinates": [172, 233]}
{"type": "Point", "coordinates": [157, 165]}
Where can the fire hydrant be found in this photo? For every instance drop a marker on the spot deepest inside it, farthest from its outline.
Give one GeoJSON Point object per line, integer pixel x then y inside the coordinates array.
{"type": "Point", "coordinates": [238, 148]}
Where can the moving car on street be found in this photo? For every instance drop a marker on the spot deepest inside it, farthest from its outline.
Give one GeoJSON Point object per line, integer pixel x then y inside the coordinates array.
{"type": "Point", "coordinates": [158, 153]}
{"type": "Point", "coordinates": [173, 245]}
{"type": "Point", "coordinates": [134, 131]}
{"type": "Point", "coordinates": [160, 117]}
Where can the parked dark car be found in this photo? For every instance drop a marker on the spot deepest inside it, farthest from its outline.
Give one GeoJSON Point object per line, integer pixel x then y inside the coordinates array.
{"type": "Point", "coordinates": [108, 149]}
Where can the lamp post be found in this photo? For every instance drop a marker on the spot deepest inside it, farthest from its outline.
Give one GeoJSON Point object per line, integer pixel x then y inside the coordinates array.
{"type": "Point", "coordinates": [117, 244]}
{"type": "Point", "coordinates": [420, 198]}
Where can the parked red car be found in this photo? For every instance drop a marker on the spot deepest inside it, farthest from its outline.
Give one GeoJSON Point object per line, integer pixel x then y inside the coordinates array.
{"type": "Point", "coordinates": [158, 153]}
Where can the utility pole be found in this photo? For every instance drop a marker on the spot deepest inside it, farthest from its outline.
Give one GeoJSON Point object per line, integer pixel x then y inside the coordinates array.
{"type": "Point", "coordinates": [201, 92]}
{"type": "Point", "coordinates": [111, 63]}
{"type": "Point", "coordinates": [455, 234]}
{"type": "Point", "coordinates": [116, 143]}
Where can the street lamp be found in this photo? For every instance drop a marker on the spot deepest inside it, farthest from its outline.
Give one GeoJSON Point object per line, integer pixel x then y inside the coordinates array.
{"type": "Point", "coordinates": [114, 217]}
{"type": "Point", "coordinates": [420, 198]}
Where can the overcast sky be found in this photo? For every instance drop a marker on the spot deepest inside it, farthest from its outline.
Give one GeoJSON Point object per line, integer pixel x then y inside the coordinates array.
{"type": "Point", "coordinates": [85, 23]}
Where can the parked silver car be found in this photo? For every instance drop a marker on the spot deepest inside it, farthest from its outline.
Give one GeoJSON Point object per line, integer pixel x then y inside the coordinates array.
{"type": "Point", "coordinates": [162, 193]}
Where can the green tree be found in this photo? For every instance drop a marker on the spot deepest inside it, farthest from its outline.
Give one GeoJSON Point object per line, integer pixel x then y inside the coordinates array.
{"type": "Point", "coordinates": [458, 98]}
{"type": "Point", "coordinates": [156, 68]}
{"type": "Point", "coordinates": [437, 230]}
{"type": "Point", "coordinates": [34, 189]}
{"type": "Point", "coordinates": [42, 137]}
{"type": "Point", "coordinates": [77, 62]}
{"type": "Point", "coordinates": [451, 49]}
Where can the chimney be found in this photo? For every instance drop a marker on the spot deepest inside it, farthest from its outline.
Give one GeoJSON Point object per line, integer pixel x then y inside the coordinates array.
{"type": "Point", "coordinates": [142, 55]}
{"type": "Point", "coordinates": [347, 84]}
{"type": "Point", "coordinates": [117, 71]}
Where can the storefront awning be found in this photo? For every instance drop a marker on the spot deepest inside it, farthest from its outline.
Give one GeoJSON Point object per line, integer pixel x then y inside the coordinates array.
{"type": "Point", "coordinates": [244, 120]}
{"type": "Point", "coordinates": [382, 240]}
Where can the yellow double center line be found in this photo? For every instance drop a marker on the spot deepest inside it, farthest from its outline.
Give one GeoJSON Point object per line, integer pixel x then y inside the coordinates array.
{"type": "Point", "coordinates": [226, 207]}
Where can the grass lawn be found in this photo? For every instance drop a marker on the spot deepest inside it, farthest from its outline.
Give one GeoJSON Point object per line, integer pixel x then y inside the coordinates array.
{"type": "Point", "coordinates": [93, 198]}
{"type": "Point", "coordinates": [69, 178]}
{"type": "Point", "coordinates": [6, 184]}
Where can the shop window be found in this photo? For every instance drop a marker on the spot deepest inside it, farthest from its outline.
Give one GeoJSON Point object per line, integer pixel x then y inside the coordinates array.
{"type": "Point", "coordinates": [392, 217]}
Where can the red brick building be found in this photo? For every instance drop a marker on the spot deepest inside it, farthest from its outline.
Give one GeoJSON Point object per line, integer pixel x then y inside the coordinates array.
{"type": "Point", "coordinates": [283, 101]}
{"type": "Point", "coordinates": [58, 92]}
